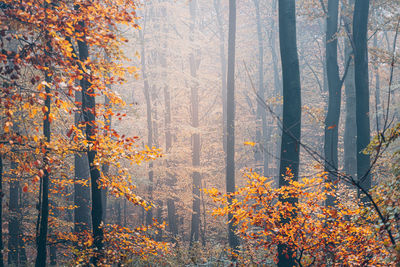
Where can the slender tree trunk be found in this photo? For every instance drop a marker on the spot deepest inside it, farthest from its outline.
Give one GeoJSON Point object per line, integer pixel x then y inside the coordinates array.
{"type": "Point", "coordinates": [44, 209]}
{"type": "Point", "coordinates": [89, 115]}
{"type": "Point", "coordinates": [272, 44]}
{"type": "Point", "coordinates": [217, 7]}
{"type": "Point", "coordinates": [360, 30]}
{"type": "Point", "coordinates": [196, 177]}
{"type": "Point", "coordinates": [53, 255]}
{"type": "Point", "coordinates": [146, 89]}
{"type": "Point", "coordinates": [290, 144]}
{"type": "Point", "coordinates": [350, 131]}
{"type": "Point", "coordinates": [334, 89]}
{"type": "Point", "coordinates": [159, 235]}
{"type": "Point", "coordinates": [105, 167]}
{"type": "Point", "coordinates": [230, 122]}
{"type": "Point", "coordinates": [261, 155]}
{"type": "Point", "coordinates": [277, 85]}
{"type": "Point", "coordinates": [377, 86]}
{"type": "Point", "coordinates": [171, 179]}
{"type": "Point", "coordinates": [82, 192]}
{"type": "Point", "coordinates": [14, 221]}
{"type": "Point", "coordinates": [15, 239]}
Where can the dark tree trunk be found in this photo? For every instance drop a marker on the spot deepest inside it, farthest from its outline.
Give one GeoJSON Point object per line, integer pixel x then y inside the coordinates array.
{"type": "Point", "coordinates": [291, 124]}
{"type": "Point", "coordinates": [230, 122]}
{"type": "Point", "coordinates": [82, 192]}
{"type": "Point", "coordinates": [105, 167]}
{"type": "Point", "coordinates": [16, 251]}
{"type": "Point", "coordinates": [334, 89]}
{"type": "Point", "coordinates": [53, 255]}
{"type": "Point", "coordinates": [14, 221]}
{"type": "Point", "coordinates": [89, 115]}
{"type": "Point", "coordinates": [350, 130]}
{"type": "Point", "coordinates": [44, 209]}
{"type": "Point", "coordinates": [81, 175]}
{"type": "Point", "coordinates": [196, 177]}
{"type": "Point", "coordinates": [360, 30]}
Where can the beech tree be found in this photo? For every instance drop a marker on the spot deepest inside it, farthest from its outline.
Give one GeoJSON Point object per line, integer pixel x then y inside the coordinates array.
{"type": "Point", "coordinates": [361, 73]}
{"type": "Point", "coordinates": [291, 116]}
{"type": "Point", "coordinates": [334, 87]}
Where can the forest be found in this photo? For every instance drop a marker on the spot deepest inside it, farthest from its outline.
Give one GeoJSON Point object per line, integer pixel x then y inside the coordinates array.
{"type": "Point", "coordinates": [199, 133]}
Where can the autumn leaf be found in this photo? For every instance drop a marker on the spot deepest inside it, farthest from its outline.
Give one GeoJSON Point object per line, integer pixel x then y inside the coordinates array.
{"type": "Point", "coordinates": [248, 143]}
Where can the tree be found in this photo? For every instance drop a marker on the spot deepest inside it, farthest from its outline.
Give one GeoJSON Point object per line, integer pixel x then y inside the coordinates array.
{"type": "Point", "coordinates": [194, 63]}
{"type": "Point", "coordinates": [43, 214]}
{"type": "Point", "coordinates": [291, 122]}
{"type": "Point", "coordinates": [146, 91]}
{"type": "Point", "coordinates": [360, 30]}
{"type": "Point", "coordinates": [334, 89]}
{"type": "Point", "coordinates": [261, 154]}
{"type": "Point", "coordinates": [230, 121]}
{"type": "Point", "coordinates": [350, 130]}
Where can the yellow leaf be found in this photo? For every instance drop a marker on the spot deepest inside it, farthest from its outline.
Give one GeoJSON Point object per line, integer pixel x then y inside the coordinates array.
{"type": "Point", "coordinates": [248, 143]}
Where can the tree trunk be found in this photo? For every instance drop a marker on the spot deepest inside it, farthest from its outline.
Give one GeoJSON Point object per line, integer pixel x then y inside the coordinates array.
{"type": "Point", "coordinates": [261, 155]}
{"type": "Point", "coordinates": [230, 122]}
{"type": "Point", "coordinates": [82, 192]}
{"type": "Point", "coordinates": [334, 89]}
{"type": "Point", "coordinates": [159, 220]}
{"type": "Point", "coordinates": [14, 220]}
{"type": "Point", "coordinates": [146, 89]}
{"type": "Point", "coordinates": [277, 87]}
{"type": "Point", "coordinates": [105, 167]}
{"type": "Point", "coordinates": [350, 131]}
{"type": "Point", "coordinates": [360, 30]}
{"type": "Point", "coordinates": [196, 177]}
{"type": "Point", "coordinates": [15, 239]}
{"type": "Point", "coordinates": [291, 123]}
{"type": "Point", "coordinates": [44, 209]}
{"type": "Point", "coordinates": [171, 179]}
{"type": "Point", "coordinates": [377, 86]}
{"type": "Point", "coordinates": [217, 7]}
{"type": "Point", "coordinates": [89, 115]}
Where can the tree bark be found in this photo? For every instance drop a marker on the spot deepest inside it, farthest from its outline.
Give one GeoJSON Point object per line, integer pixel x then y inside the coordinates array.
{"type": "Point", "coordinates": [217, 7]}
{"type": "Point", "coordinates": [44, 209]}
{"type": "Point", "coordinates": [146, 89]}
{"type": "Point", "coordinates": [360, 30]}
{"type": "Point", "coordinates": [350, 131]}
{"type": "Point", "coordinates": [194, 99]}
{"type": "Point", "coordinates": [89, 115]}
{"type": "Point", "coordinates": [334, 100]}
{"type": "Point", "coordinates": [261, 155]}
{"type": "Point", "coordinates": [291, 123]}
{"type": "Point", "coordinates": [230, 122]}
{"type": "Point", "coordinates": [82, 192]}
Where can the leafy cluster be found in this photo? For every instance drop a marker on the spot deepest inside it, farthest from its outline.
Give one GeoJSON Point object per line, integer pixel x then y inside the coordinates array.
{"type": "Point", "coordinates": [342, 234]}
